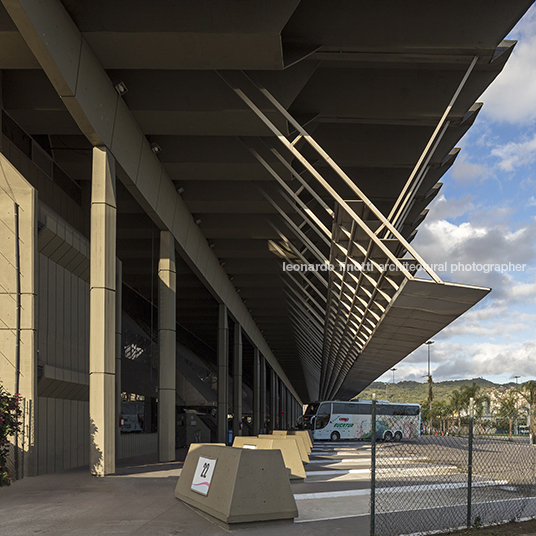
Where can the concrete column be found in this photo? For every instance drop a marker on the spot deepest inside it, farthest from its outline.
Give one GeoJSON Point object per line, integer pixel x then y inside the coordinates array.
{"type": "Point", "coordinates": [284, 407]}
{"type": "Point", "coordinates": [256, 392]}
{"type": "Point", "coordinates": [290, 410]}
{"type": "Point", "coordinates": [237, 380]}
{"type": "Point", "coordinates": [273, 409]}
{"type": "Point", "coordinates": [118, 353]}
{"type": "Point", "coordinates": [167, 341]}
{"type": "Point", "coordinates": [262, 403]}
{"type": "Point", "coordinates": [102, 328]}
{"type": "Point", "coordinates": [223, 374]}
{"type": "Point", "coordinates": [1, 108]}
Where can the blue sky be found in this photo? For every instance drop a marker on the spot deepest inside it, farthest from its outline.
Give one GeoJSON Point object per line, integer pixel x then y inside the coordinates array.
{"type": "Point", "coordinates": [486, 213]}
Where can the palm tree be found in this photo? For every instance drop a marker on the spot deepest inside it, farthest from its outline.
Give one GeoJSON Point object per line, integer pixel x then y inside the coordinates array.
{"type": "Point", "coordinates": [456, 406]}
{"type": "Point", "coordinates": [440, 411]}
{"type": "Point", "coordinates": [508, 407]}
{"type": "Point", "coordinates": [528, 391]}
{"type": "Point", "coordinates": [479, 400]}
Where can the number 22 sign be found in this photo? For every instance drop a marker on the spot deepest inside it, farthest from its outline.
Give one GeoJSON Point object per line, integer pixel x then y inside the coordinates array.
{"type": "Point", "coordinates": [203, 475]}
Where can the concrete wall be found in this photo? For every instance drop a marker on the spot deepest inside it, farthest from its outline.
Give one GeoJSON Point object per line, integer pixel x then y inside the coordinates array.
{"type": "Point", "coordinates": [15, 189]}
{"type": "Point", "coordinates": [137, 445]}
{"type": "Point", "coordinates": [63, 345]}
{"type": "Point", "coordinates": [63, 338]}
{"type": "Point", "coordinates": [49, 192]}
{"type": "Point", "coordinates": [63, 434]}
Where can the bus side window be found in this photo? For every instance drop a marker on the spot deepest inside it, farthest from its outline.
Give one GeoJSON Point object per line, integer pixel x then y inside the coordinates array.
{"type": "Point", "coordinates": [352, 409]}
{"type": "Point", "coordinates": [340, 408]}
{"type": "Point", "coordinates": [364, 409]}
{"type": "Point", "coordinates": [384, 409]}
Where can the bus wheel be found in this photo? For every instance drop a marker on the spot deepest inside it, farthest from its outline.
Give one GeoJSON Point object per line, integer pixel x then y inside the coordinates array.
{"type": "Point", "coordinates": [388, 437]}
{"type": "Point", "coordinates": [335, 436]}
{"type": "Point", "coordinates": [398, 436]}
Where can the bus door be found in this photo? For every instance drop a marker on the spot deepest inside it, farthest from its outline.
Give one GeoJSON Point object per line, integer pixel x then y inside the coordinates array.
{"type": "Point", "coordinates": [322, 419]}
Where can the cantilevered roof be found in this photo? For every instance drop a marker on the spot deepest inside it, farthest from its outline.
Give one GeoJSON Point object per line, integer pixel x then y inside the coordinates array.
{"type": "Point", "coordinates": [294, 131]}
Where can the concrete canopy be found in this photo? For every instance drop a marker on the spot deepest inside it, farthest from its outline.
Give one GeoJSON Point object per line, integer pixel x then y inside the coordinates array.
{"type": "Point", "coordinates": [371, 83]}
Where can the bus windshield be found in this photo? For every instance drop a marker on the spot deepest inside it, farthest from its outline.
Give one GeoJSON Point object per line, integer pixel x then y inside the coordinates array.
{"type": "Point", "coordinates": [310, 412]}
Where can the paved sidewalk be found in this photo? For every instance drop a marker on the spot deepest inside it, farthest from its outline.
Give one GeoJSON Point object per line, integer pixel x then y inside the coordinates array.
{"type": "Point", "coordinates": [139, 500]}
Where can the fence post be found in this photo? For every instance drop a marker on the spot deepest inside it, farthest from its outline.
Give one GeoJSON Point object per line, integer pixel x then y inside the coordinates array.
{"type": "Point", "coordinates": [373, 467]}
{"type": "Point", "coordinates": [470, 463]}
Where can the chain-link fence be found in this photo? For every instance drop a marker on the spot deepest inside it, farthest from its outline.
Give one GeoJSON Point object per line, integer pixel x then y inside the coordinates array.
{"type": "Point", "coordinates": [469, 474]}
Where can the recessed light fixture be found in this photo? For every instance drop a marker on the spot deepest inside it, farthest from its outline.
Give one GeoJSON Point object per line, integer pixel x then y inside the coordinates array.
{"type": "Point", "coordinates": [156, 148]}
{"type": "Point", "coordinates": [120, 87]}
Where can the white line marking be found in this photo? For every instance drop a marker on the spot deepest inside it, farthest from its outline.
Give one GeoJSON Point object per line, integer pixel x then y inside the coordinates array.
{"type": "Point", "coordinates": [329, 518]}
{"type": "Point", "coordinates": [448, 485]}
{"type": "Point", "coordinates": [347, 460]}
{"type": "Point", "coordinates": [331, 494]}
{"type": "Point", "coordinates": [414, 510]}
{"type": "Point", "coordinates": [336, 472]}
{"type": "Point", "coordinates": [395, 489]}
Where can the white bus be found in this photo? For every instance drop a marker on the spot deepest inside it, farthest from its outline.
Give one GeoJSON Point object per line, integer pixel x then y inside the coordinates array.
{"type": "Point", "coordinates": [337, 419]}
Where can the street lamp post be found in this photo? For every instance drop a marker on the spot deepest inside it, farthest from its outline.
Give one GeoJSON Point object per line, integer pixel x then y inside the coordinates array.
{"type": "Point", "coordinates": [393, 371]}
{"type": "Point", "coordinates": [430, 395]}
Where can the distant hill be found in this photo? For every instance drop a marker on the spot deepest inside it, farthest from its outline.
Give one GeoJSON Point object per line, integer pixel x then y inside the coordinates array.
{"type": "Point", "coordinates": [416, 392]}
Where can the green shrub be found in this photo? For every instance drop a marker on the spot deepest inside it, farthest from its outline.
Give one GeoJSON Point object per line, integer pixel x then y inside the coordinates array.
{"type": "Point", "coordinates": [9, 424]}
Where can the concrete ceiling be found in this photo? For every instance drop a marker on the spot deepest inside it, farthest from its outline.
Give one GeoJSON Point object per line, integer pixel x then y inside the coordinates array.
{"type": "Point", "coordinates": [369, 80]}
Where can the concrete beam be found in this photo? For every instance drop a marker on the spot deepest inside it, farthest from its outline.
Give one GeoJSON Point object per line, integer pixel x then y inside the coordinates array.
{"type": "Point", "coordinates": [105, 120]}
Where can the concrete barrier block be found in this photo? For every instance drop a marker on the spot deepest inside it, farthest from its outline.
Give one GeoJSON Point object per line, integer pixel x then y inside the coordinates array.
{"type": "Point", "coordinates": [306, 438]}
{"type": "Point", "coordinates": [233, 487]}
{"type": "Point", "coordinates": [194, 446]}
{"type": "Point", "coordinates": [299, 442]}
{"type": "Point", "coordinates": [289, 450]}
{"type": "Point", "coordinates": [303, 433]}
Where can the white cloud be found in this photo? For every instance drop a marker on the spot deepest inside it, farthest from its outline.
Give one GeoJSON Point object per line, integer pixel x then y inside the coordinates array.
{"type": "Point", "coordinates": [465, 172]}
{"type": "Point", "coordinates": [454, 360]}
{"type": "Point", "coordinates": [486, 240]}
{"type": "Point", "coordinates": [485, 359]}
{"type": "Point", "coordinates": [514, 155]}
{"type": "Point", "coordinates": [511, 96]}
{"type": "Point", "coordinates": [442, 208]}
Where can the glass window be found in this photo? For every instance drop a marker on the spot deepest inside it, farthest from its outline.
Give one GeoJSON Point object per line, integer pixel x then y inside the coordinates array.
{"type": "Point", "coordinates": [384, 409]}
{"type": "Point", "coordinates": [352, 409]}
{"type": "Point", "coordinates": [364, 409]}
{"type": "Point", "coordinates": [311, 408]}
{"type": "Point", "coordinates": [322, 416]}
{"type": "Point", "coordinates": [339, 408]}
{"type": "Point", "coordinates": [412, 410]}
